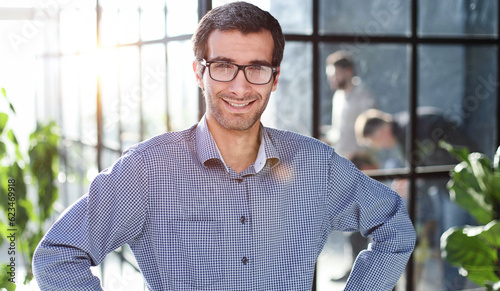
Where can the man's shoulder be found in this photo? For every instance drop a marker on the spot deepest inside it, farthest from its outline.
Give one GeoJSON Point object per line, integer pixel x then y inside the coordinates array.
{"type": "Point", "coordinates": [360, 91]}
{"type": "Point", "coordinates": [289, 139]}
{"type": "Point", "coordinates": [162, 141]}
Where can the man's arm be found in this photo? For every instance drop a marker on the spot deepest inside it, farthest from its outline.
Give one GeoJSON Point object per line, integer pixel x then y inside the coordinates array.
{"type": "Point", "coordinates": [112, 213]}
{"type": "Point", "coordinates": [377, 212]}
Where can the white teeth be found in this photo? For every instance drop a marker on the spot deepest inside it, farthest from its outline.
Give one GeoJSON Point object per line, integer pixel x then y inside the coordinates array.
{"type": "Point", "coordinates": [238, 105]}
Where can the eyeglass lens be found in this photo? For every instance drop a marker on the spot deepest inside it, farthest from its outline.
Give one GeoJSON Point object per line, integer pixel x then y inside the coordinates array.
{"type": "Point", "coordinates": [225, 72]}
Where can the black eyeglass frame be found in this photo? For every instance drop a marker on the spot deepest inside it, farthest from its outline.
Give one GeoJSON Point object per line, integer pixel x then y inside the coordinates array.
{"type": "Point", "coordinates": [240, 67]}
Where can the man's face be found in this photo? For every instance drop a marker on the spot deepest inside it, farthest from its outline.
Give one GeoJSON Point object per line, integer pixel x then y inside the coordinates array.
{"type": "Point", "coordinates": [238, 104]}
{"type": "Point", "coordinates": [338, 77]}
{"type": "Point", "coordinates": [381, 138]}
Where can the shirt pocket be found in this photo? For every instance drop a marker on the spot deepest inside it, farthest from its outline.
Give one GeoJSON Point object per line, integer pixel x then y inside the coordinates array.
{"type": "Point", "coordinates": [196, 255]}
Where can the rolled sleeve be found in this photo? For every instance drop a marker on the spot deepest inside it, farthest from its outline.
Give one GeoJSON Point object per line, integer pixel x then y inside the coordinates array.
{"type": "Point", "coordinates": [110, 215]}
{"type": "Point", "coordinates": [378, 212]}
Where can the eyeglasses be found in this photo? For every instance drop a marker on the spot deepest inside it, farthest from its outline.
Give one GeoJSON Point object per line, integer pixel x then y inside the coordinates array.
{"type": "Point", "coordinates": [226, 72]}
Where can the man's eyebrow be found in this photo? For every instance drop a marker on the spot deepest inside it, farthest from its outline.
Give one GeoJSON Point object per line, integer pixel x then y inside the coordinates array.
{"type": "Point", "coordinates": [229, 60]}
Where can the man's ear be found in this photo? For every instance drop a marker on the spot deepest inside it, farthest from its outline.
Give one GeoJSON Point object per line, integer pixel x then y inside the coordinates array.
{"type": "Point", "coordinates": [275, 82]}
{"type": "Point", "coordinates": [198, 74]}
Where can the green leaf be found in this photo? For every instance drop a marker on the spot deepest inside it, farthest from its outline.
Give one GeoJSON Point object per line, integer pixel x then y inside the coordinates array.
{"type": "Point", "coordinates": [470, 249]}
{"type": "Point", "coordinates": [466, 192]}
{"type": "Point", "coordinates": [12, 137]}
{"type": "Point", "coordinates": [3, 121]}
{"type": "Point", "coordinates": [490, 233]}
{"type": "Point", "coordinates": [495, 183]}
{"type": "Point", "coordinates": [3, 149]}
{"type": "Point", "coordinates": [481, 168]}
{"type": "Point", "coordinates": [5, 284]}
{"type": "Point", "coordinates": [496, 161]}
{"type": "Point", "coordinates": [463, 250]}
{"type": "Point", "coordinates": [461, 153]}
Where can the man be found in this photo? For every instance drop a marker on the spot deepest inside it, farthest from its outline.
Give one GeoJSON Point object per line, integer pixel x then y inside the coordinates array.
{"type": "Point", "coordinates": [350, 99]}
{"type": "Point", "coordinates": [435, 211]}
{"type": "Point", "coordinates": [229, 204]}
{"type": "Point", "coordinates": [381, 130]}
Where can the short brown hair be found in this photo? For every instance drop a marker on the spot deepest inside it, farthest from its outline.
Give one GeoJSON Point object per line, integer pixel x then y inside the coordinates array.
{"type": "Point", "coordinates": [368, 122]}
{"type": "Point", "coordinates": [342, 58]}
{"type": "Point", "coordinates": [241, 16]}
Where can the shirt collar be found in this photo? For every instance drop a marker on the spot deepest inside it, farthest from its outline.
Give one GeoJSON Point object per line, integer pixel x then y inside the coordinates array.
{"type": "Point", "coordinates": [207, 149]}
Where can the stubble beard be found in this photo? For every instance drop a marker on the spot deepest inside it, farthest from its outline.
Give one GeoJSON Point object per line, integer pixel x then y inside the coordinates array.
{"type": "Point", "coordinates": [237, 122]}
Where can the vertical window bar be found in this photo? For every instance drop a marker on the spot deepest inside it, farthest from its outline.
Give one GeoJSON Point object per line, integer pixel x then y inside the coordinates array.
{"type": "Point", "coordinates": [316, 74]}
{"type": "Point", "coordinates": [99, 109]}
{"type": "Point", "coordinates": [203, 7]}
{"type": "Point", "coordinates": [497, 138]}
{"type": "Point", "coordinates": [167, 120]}
{"type": "Point", "coordinates": [316, 102]}
{"type": "Point", "coordinates": [98, 97]}
{"type": "Point", "coordinates": [413, 129]}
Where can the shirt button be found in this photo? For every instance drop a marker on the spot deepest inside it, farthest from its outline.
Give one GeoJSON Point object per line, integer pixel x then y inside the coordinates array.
{"type": "Point", "coordinates": [243, 219]}
{"type": "Point", "coordinates": [244, 260]}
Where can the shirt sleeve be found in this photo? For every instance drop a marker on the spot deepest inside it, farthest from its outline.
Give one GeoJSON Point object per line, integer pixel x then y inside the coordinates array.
{"type": "Point", "coordinates": [111, 214]}
{"type": "Point", "coordinates": [363, 204]}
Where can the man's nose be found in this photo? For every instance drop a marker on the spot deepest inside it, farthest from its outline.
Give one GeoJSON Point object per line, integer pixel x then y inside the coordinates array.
{"type": "Point", "coordinates": [240, 85]}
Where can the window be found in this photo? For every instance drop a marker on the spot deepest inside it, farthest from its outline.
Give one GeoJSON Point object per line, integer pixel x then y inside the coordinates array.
{"type": "Point", "coordinates": [117, 72]}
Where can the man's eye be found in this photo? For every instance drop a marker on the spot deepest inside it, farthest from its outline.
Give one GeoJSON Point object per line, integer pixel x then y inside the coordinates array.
{"type": "Point", "coordinates": [256, 68]}
{"type": "Point", "coordinates": [223, 65]}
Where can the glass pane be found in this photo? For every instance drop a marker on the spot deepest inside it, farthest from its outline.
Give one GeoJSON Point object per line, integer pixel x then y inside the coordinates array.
{"type": "Point", "coordinates": [108, 73]}
{"type": "Point", "coordinates": [182, 89]}
{"type": "Point", "coordinates": [459, 82]}
{"type": "Point", "coordinates": [436, 214]}
{"type": "Point", "coordinates": [153, 4]}
{"type": "Point", "coordinates": [88, 92]}
{"type": "Point", "coordinates": [154, 97]}
{"type": "Point", "coordinates": [73, 172]}
{"type": "Point", "coordinates": [294, 16]}
{"type": "Point", "coordinates": [458, 18]}
{"type": "Point", "coordinates": [381, 73]}
{"type": "Point", "coordinates": [364, 18]}
{"type": "Point", "coordinates": [130, 96]}
{"type": "Point", "coordinates": [109, 27]}
{"type": "Point", "coordinates": [152, 24]}
{"type": "Point", "coordinates": [70, 98]}
{"type": "Point", "coordinates": [128, 23]}
{"type": "Point", "coordinates": [78, 30]}
{"type": "Point", "coordinates": [128, 4]}
{"type": "Point", "coordinates": [85, 4]}
{"type": "Point", "coordinates": [182, 17]}
{"type": "Point", "coordinates": [109, 4]}
{"type": "Point", "coordinates": [290, 107]}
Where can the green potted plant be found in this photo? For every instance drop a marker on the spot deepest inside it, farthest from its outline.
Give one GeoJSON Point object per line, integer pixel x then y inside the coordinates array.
{"type": "Point", "coordinates": [22, 215]}
{"type": "Point", "coordinates": [475, 186]}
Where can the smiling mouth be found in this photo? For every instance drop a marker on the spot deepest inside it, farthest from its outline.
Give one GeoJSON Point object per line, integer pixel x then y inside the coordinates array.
{"type": "Point", "coordinates": [238, 105]}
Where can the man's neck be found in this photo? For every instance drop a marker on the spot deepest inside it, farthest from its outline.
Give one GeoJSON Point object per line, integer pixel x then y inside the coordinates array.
{"type": "Point", "coordinates": [239, 149]}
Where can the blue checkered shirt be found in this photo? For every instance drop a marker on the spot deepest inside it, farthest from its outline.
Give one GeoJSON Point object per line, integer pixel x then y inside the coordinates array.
{"type": "Point", "coordinates": [195, 224]}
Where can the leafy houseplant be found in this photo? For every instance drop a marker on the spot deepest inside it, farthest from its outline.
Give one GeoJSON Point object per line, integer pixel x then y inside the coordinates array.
{"type": "Point", "coordinates": [16, 167]}
{"type": "Point", "coordinates": [475, 186]}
